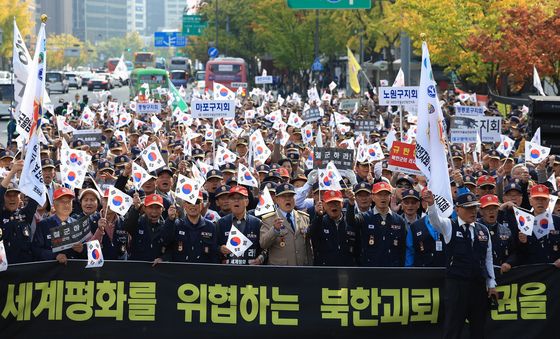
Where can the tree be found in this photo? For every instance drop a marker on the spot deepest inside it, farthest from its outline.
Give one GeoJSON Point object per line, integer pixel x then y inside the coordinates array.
{"type": "Point", "coordinates": [24, 17]}
{"type": "Point", "coordinates": [56, 45]}
{"type": "Point", "coordinates": [525, 37]}
{"type": "Point", "coordinates": [115, 47]}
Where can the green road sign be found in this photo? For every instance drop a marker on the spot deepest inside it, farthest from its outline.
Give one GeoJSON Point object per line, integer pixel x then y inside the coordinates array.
{"type": "Point", "coordinates": [193, 25]}
{"type": "Point", "coordinates": [329, 4]}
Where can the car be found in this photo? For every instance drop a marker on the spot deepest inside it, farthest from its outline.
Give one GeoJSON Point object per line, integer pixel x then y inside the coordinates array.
{"type": "Point", "coordinates": [55, 81]}
{"type": "Point", "coordinates": [110, 78]}
{"type": "Point", "coordinates": [199, 78]}
{"type": "Point", "coordinates": [179, 78]}
{"type": "Point", "coordinates": [74, 80]}
{"type": "Point", "coordinates": [6, 78]}
{"type": "Point", "coordinates": [86, 76]}
{"type": "Point", "coordinates": [100, 82]}
{"type": "Point", "coordinates": [6, 100]}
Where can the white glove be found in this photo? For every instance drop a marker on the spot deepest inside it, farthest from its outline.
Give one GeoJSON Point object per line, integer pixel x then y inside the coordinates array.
{"type": "Point", "coordinates": [312, 177]}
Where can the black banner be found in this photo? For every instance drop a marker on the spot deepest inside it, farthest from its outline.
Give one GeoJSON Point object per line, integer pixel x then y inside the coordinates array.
{"type": "Point", "coordinates": [312, 114]}
{"type": "Point", "coordinates": [342, 158]}
{"type": "Point", "coordinates": [67, 234]}
{"type": "Point", "coordinates": [365, 125]}
{"type": "Point", "coordinates": [91, 137]}
{"type": "Point", "coordinates": [135, 300]}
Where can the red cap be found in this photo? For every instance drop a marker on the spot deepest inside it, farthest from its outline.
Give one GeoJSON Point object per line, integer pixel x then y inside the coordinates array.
{"type": "Point", "coordinates": [239, 190]}
{"type": "Point", "coordinates": [60, 192]}
{"type": "Point", "coordinates": [153, 199]}
{"type": "Point", "coordinates": [539, 191]}
{"type": "Point", "coordinates": [381, 186]}
{"type": "Point", "coordinates": [283, 172]}
{"type": "Point", "coordinates": [486, 180]}
{"type": "Point", "coordinates": [329, 196]}
{"type": "Point", "coordinates": [489, 200]}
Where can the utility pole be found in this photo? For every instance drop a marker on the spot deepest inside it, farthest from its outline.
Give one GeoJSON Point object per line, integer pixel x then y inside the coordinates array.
{"type": "Point", "coordinates": [405, 57]}
{"type": "Point", "coordinates": [216, 43]}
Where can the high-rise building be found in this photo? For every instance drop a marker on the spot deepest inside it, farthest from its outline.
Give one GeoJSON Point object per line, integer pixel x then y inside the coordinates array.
{"type": "Point", "coordinates": [136, 17]}
{"type": "Point", "coordinates": [97, 20]}
{"type": "Point", "coordinates": [155, 21]}
{"type": "Point", "coordinates": [60, 13]}
{"type": "Point", "coordinates": [174, 13]}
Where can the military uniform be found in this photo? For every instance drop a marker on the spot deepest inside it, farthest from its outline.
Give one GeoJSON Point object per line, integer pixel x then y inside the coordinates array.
{"type": "Point", "coordinates": [250, 226]}
{"type": "Point", "coordinates": [115, 246]}
{"type": "Point", "coordinates": [426, 247]}
{"type": "Point", "coordinates": [147, 241]}
{"type": "Point", "coordinates": [15, 229]}
{"type": "Point", "coordinates": [503, 243]}
{"type": "Point", "coordinates": [188, 242]}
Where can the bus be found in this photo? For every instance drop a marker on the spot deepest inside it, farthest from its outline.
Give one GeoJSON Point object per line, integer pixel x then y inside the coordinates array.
{"type": "Point", "coordinates": [225, 71]}
{"type": "Point", "coordinates": [111, 64]}
{"type": "Point", "coordinates": [154, 77]}
{"type": "Point", "coordinates": [144, 60]}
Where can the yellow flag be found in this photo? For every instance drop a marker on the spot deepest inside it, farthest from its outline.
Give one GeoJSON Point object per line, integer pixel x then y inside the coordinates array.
{"type": "Point", "coordinates": [353, 69]}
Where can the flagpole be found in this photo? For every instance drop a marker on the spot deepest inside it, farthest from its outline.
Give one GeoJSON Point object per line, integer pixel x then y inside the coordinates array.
{"type": "Point", "coordinates": [214, 142]}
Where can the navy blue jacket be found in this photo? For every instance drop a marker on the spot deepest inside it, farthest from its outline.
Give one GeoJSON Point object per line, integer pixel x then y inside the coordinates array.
{"type": "Point", "coordinates": [42, 249]}
{"type": "Point", "coordinates": [333, 245]}
{"type": "Point", "coordinates": [251, 230]}
{"type": "Point", "coordinates": [147, 238]}
{"type": "Point", "coordinates": [188, 242]}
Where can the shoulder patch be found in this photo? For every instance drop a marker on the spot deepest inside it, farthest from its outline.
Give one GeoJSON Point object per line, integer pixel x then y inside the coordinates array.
{"type": "Point", "coordinates": [268, 215]}
{"type": "Point", "coordinates": [303, 212]}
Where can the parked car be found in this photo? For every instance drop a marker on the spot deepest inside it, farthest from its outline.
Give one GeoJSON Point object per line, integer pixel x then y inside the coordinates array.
{"type": "Point", "coordinates": [99, 82]}
{"type": "Point", "coordinates": [86, 76]}
{"type": "Point", "coordinates": [5, 78]}
{"type": "Point", "coordinates": [6, 100]}
{"type": "Point", "coordinates": [179, 78]}
{"type": "Point", "coordinates": [74, 80]}
{"type": "Point", "coordinates": [55, 81]}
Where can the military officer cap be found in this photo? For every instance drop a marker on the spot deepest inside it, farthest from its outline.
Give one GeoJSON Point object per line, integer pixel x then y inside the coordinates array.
{"type": "Point", "coordinates": [165, 169]}
{"type": "Point", "coordinates": [299, 177]}
{"type": "Point", "coordinates": [224, 189]}
{"type": "Point", "coordinates": [294, 157]}
{"type": "Point", "coordinates": [270, 185]}
{"type": "Point", "coordinates": [513, 186]}
{"type": "Point", "coordinates": [411, 194]}
{"type": "Point", "coordinates": [264, 168]}
{"type": "Point", "coordinates": [12, 187]}
{"type": "Point", "coordinates": [214, 174]}
{"type": "Point", "coordinates": [121, 160]}
{"type": "Point", "coordinates": [364, 186]}
{"type": "Point", "coordinates": [467, 200]}
{"type": "Point", "coordinates": [198, 153]}
{"type": "Point", "coordinates": [232, 181]}
{"type": "Point", "coordinates": [456, 155]}
{"type": "Point", "coordinates": [6, 154]}
{"type": "Point", "coordinates": [285, 189]}
{"type": "Point", "coordinates": [47, 163]}
{"type": "Point", "coordinates": [77, 143]}
{"type": "Point", "coordinates": [292, 147]}
{"type": "Point", "coordinates": [242, 141]}
{"type": "Point", "coordinates": [95, 158]}
{"type": "Point", "coordinates": [227, 168]}
{"type": "Point", "coordinates": [105, 165]}
{"type": "Point", "coordinates": [469, 180]}
{"type": "Point", "coordinates": [273, 176]}
{"type": "Point", "coordinates": [494, 154]}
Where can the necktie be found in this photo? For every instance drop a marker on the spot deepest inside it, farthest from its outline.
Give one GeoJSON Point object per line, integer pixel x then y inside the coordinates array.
{"type": "Point", "coordinates": [289, 218]}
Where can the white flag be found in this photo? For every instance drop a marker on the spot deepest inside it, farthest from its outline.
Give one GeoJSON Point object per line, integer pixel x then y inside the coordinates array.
{"type": "Point", "coordinates": [537, 82]}
{"type": "Point", "coordinates": [221, 92]}
{"type": "Point", "coordinates": [266, 204]}
{"type": "Point", "coordinates": [543, 224]}
{"type": "Point", "coordinates": [119, 202]}
{"type": "Point", "coordinates": [307, 134]}
{"type": "Point", "coordinates": [391, 137]}
{"type": "Point", "coordinates": [31, 182]}
{"type": "Point", "coordinates": [32, 100]}
{"type": "Point", "coordinates": [535, 153]}
{"type": "Point", "coordinates": [537, 137]}
{"type": "Point", "coordinates": [224, 156]}
{"type": "Point", "coordinates": [121, 71]}
{"type": "Point", "coordinates": [552, 203]}
{"type": "Point", "coordinates": [430, 138]}
{"type": "Point", "coordinates": [399, 79]}
{"type": "Point", "coordinates": [156, 123]}
{"type": "Point", "coordinates": [187, 189]}
{"type": "Point", "coordinates": [152, 157]}
{"type": "Point", "coordinates": [552, 180]}
{"type": "Point", "coordinates": [237, 242]}
{"type": "Point", "coordinates": [340, 119]}
{"type": "Point", "coordinates": [525, 221]}
{"type": "Point", "coordinates": [21, 62]}
{"type": "Point", "coordinates": [245, 177]}
{"type": "Point", "coordinates": [88, 116]}
{"type": "Point", "coordinates": [94, 253]}
{"type": "Point", "coordinates": [139, 176]}
{"type": "Point", "coordinates": [506, 146]}
{"type": "Point", "coordinates": [295, 121]}
{"type": "Point", "coordinates": [63, 126]}
{"type": "Point", "coordinates": [327, 181]}
{"type": "Point", "coordinates": [332, 86]}
{"type": "Point", "coordinates": [3, 257]}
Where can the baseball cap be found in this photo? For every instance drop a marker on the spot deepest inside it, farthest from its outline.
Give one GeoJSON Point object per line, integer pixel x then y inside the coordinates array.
{"type": "Point", "coordinates": [63, 191]}
{"type": "Point", "coordinates": [153, 199]}
{"type": "Point", "coordinates": [486, 180]}
{"type": "Point", "coordinates": [285, 189]}
{"type": "Point", "coordinates": [329, 196]}
{"type": "Point", "coordinates": [381, 186]}
{"type": "Point", "coordinates": [89, 190]}
{"type": "Point", "coordinates": [489, 200]}
{"type": "Point", "coordinates": [239, 190]}
{"type": "Point", "coordinates": [540, 191]}
{"type": "Point", "coordinates": [411, 194]}
{"type": "Point", "coordinates": [364, 186]}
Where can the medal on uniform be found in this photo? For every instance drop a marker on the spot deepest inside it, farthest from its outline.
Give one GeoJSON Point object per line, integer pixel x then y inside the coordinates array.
{"type": "Point", "coordinates": [206, 249]}
{"type": "Point", "coordinates": [506, 252]}
{"type": "Point", "coordinates": [123, 248]}
{"type": "Point", "coordinates": [382, 222]}
{"type": "Point", "coordinates": [492, 233]}
{"type": "Point", "coordinates": [282, 242]}
{"type": "Point", "coordinates": [26, 231]}
{"type": "Point", "coordinates": [180, 246]}
{"type": "Point", "coordinates": [371, 241]}
{"type": "Point", "coordinates": [555, 248]}
{"type": "Point", "coordinates": [421, 246]}
{"type": "Point", "coordinates": [395, 242]}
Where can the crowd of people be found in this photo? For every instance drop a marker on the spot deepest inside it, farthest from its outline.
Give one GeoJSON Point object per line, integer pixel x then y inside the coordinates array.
{"type": "Point", "coordinates": [381, 218]}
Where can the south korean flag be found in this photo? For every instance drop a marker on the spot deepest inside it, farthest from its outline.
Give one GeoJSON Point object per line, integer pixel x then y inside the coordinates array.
{"type": "Point", "coordinates": [237, 242]}
{"type": "Point", "coordinates": [152, 157]}
{"type": "Point", "coordinates": [119, 202]}
{"type": "Point", "coordinates": [95, 256]}
{"type": "Point", "coordinates": [265, 205]}
{"type": "Point", "coordinates": [139, 176]}
{"type": "Point", "coordinates": [187, 189]}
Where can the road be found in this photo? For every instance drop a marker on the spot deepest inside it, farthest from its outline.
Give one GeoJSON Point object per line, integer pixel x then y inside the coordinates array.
{"type": "Point", "coordinates": [120, 93]}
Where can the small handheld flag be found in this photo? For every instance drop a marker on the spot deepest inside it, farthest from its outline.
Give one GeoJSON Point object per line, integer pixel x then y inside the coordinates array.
{"type": "Point", "coordinates": [119, 202]}
{"type": "Point", "coordinates": [95, 256]}
{"type": "Point", "coordinates": [525, 221]}
{"type": "Point", "coordinates": [237, 242]}
{"type": "Point", "coordinates": [265, 205]}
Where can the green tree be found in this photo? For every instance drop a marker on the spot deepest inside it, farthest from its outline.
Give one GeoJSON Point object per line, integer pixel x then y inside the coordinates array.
{"type": "Point", "coordinates": [115, 47]}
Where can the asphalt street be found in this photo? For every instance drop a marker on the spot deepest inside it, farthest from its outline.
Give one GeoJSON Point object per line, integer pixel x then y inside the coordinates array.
{"type": "Point", "coordinates": [120, 93]}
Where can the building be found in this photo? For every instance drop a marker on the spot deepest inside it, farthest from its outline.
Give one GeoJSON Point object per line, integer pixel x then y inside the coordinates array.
{"type": "Point", "coordinates": [156, 20]}
{"type": "Point", "coordinates": [98, 20]}
{"type": "Point", "coordinates": [136, 17]}
{"type": "Point", "coordinates": [174, 14]}
{"type": "Point", "coordinates": [60, 13]}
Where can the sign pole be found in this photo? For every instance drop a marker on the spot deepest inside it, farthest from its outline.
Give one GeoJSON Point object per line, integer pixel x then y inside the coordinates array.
{"type": "Point", "coordinates": [214, 143]}
{"type": "Point", "coordinates": [401, 121]}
